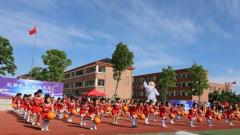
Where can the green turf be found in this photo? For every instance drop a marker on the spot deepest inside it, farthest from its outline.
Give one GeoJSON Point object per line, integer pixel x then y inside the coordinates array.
{"type": "Point", "coordinates": [235, 131]}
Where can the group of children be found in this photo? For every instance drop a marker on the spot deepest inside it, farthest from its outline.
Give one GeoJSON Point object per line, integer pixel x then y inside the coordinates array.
{"type": "Point", "coordinates": [32, 108]}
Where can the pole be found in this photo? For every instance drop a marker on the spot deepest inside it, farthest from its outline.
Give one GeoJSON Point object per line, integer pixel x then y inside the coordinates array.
{"type": "Point", "coordinates": [33, 53]}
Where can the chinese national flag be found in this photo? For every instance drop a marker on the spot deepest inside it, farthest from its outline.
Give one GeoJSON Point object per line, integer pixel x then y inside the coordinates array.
{"type": "Point", "coordinates": [32, 31]}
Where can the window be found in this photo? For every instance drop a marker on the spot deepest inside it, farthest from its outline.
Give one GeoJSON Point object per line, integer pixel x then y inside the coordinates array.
{"type": "Point", "coordinates": [172, 93]}
{"type": "Point", "coordinates": [89, 83]}
{"type": "Point", "coordinates": [79, 84]}
{"type": "Point", "coordinates": [70, 85]}
{"type": "Point", "coordinates": [101, 69]}
{"type": "Point", "coordinates": [91, 70]}
{"type": "Point", "coordinates": [183, 84]}
{"type": "Point", "coordinates": [80, 72]}
{"type": "Point", "coordinates": [73, 74]}
{"type": "Point", "coordinates": [183, 94]}
{"type": "Point", "coordinates": [66, 85]}
{"type": "Point", "coordinates": [127, 81]}
{"type": "Point", "coordinates": [177, 93]}
{"type": "Point", "coordinates": [67, 76]}
{"type": "Point", "coordinates": [101, 82]}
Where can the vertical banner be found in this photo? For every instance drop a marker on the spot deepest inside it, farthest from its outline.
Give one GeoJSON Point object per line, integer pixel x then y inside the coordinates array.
{"type": "Point", "coordinates": [10, 86]}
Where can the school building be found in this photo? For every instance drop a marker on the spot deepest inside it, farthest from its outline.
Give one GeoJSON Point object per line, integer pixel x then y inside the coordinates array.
{"type": "Point", "coordinates": [97, 75]}
{"type": "Point", "coordinates": [180, 92]}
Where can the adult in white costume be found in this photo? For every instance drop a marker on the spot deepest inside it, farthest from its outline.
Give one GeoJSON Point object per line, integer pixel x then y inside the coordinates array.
{"type": "Point", "coordinates": [151, 91]}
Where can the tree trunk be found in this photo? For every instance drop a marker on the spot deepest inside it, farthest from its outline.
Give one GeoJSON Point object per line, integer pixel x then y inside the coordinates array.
{"type": "Point", "coordinates": [116, 88]}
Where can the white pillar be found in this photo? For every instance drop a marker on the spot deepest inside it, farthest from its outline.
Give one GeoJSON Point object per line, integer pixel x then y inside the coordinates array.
{"type": "Point", "coordinates": [96, 82]}
{"type": "Point", "coordinates": [97, 67]}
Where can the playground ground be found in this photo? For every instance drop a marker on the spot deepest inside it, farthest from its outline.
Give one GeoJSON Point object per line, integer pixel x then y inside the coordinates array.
{"type": "Point", "coordinates": [10, 124]}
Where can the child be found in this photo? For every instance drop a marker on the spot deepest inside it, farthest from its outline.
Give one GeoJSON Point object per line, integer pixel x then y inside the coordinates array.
{"type": "Point", "coordinates": [192, 114]}
{"type": "Point", "coordinates": [46, 108]}
{"type": "Point", "coordinates": [173, 110]}
{"type": "Point", "coordinates": [29, 107]}
{"type": "Point", "coordinates": [146, 111]}
{"type": "Point", "coordinates": [208, 115]}
{"type": "Point", "coordinates": [163, 111]}
{"type": "Point", "coordinates": [25, 106]}
{"type": "Point", "coordinates": [59, 108]}
{"type": "Point", "coordinates": [156, 111]}
{"type": "Point", "coordinates": [116, 111]}
{"type": "Point", "coordinates": [17, 101]}
{"type": "Point", "coordinates": [38, 101]}
{"type": "Point", "coordinates": [83, 112]}
{"type": "Point", "coordinates": [133, 113]}
{"type": "Point", "coordinates": [102, 107]}
{"type": "Point", "coordinates": [230, 115]}
{"type": "Point", "coordinates": [70, 108]}
{"type": "Point", "coordinates": [93, 111]}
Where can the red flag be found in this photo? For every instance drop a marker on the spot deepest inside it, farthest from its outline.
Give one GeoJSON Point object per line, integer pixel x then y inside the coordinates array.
{"type": "Point", "coordinates": [33, 31]}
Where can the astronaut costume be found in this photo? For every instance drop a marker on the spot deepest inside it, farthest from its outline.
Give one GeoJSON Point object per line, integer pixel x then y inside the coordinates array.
{"type": "Point", "coordinates": [151, 91]}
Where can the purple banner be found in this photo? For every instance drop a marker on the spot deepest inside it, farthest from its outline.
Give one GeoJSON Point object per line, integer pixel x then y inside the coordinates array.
{"type": "Point", "coordinates": [10, 86]}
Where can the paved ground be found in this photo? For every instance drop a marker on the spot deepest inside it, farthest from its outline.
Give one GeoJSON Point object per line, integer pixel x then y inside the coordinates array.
{"type": "Point", "coordinates": [10, 124]}
{"type": "Point", "coordinates": [5, 104]}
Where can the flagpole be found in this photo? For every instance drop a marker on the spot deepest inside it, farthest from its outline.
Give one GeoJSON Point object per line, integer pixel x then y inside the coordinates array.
{"type": "Point", "coordinates": [33, 52]}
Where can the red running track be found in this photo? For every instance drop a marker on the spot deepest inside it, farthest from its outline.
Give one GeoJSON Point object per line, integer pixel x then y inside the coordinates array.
{"type": "Point", "coordinates": [10, 124]}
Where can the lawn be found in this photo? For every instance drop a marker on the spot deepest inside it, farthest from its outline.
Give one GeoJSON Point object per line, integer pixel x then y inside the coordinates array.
{"type": "Point", "coordinates": [235, 131]}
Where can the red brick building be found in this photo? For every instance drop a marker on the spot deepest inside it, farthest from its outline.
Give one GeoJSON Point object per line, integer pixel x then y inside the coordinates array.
{"type": "Point", "coordinates": [99, 75]}
{"type": "Point", "coordinates": [180, 92]}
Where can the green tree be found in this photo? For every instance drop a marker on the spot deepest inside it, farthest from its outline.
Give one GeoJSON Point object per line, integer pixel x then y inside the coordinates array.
{"type": "Point", "coordinates": [215, 95]}
{"type": "Point", "coordinates": [6, 57]}
{"type": "Point", "coordinates": [167, 81]}
{"type": "Point", "coordinates": [122, 59]}
{"type": "Point", "coordinates": [56, 62]}
{"type": "Point", "coordinates": [40, 73]}
{"type": "Point", "coordinates": [199, 80]}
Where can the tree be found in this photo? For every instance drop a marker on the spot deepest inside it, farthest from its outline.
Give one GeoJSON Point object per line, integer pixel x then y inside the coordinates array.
{"type": "Point", "coordinates": [224, 96]}
{"type": "Point", "coordinates": [167, 81]}
{"type": "Point", "coordinates": [6, 57]}
{"type": "Point", "coordinates": [214, 96]}
{"type": "Point", "coordinates": [40, 73]}
{"type": "Point", "coordinates": [122, 59]}
{"type": "Point", "coordinates": [199, 80]}
{"type": "Point", "coordinates": [56, 62]}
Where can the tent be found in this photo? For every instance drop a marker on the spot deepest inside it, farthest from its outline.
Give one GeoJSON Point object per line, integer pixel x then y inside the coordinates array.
{"type": "Point", "coordinates": [93, 93]}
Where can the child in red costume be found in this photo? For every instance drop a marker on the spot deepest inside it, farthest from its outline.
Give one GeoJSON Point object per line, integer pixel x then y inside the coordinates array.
{"type": "Point", "coordinates": [133, 110]}
{"type": "Point", "coordinates": [46, 108]}
{"type": "Point", "coordinates": [209, 116]}
{"type": "Point", "coordinates": [70, 107]}
{"type": "Point", "coordinates": [93, 111]}
{"type": "Point", "coordinates": [192, 114]}
{"type": "Point", "coordinates": [163, 113]}
{"type": "Point", "coordinates": [230, 115]}
{"type": "Point", "coordinates": [17, 101]}
{"type": "Point", "coordinates": [37, 101]}
{"type": "Point", "coordinates": [116, 111]}
{"type": "Point", "coordinates": [58, 107]}
{"type": "Point", "coordinates": [146, 111]}
{"type": "Point", "coordinates": [83, 112]}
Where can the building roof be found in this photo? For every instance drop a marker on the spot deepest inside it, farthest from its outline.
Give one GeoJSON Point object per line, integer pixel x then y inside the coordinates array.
{"type": "Point", "coordinates": [106, 61]}
{"type": "Point", "coordinates": [157, 73]}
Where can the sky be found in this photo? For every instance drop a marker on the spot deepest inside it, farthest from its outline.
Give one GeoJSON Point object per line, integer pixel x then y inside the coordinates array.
{"type": "Point", "coordinates": [161, 33]}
